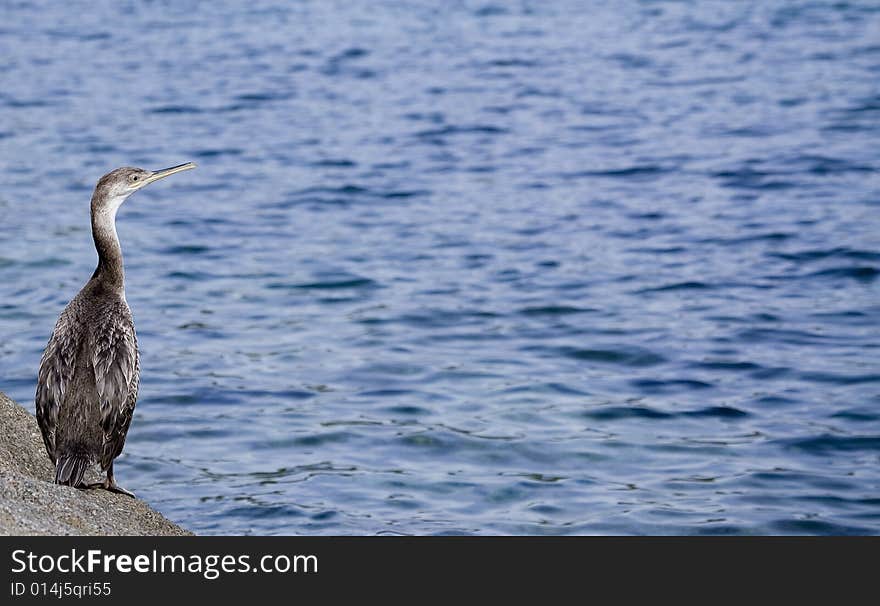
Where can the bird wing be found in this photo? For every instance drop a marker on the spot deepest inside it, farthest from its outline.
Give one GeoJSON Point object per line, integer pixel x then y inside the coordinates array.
{"type": "Point", "coordinates": [54, 377]}
{"type": "Point", "coordinates": [115, 361]}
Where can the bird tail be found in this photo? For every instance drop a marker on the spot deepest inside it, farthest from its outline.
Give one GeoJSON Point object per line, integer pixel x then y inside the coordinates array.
{"type": "Point", "coordinates": [71, 468]}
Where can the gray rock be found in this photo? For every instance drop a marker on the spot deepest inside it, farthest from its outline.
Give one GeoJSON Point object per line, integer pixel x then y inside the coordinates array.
{"type": "Point", "coordinates": [31, 503]}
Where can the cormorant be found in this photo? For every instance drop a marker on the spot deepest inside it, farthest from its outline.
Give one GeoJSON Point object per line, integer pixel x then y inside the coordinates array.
{"type": "Point", "coordinates": [88, 380]}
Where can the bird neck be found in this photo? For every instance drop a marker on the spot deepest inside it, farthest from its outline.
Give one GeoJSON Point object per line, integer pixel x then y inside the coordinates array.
{"type": "Point", "coordinates": [110, 271]}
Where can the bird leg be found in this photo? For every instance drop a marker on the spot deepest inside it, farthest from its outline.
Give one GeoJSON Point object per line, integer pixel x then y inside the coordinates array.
{"type": "Point", "coordinates": [110, 484]}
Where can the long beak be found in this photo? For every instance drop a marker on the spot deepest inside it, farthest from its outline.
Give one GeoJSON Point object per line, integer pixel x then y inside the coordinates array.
{"type": "Point", "coordinates": [166, 172]}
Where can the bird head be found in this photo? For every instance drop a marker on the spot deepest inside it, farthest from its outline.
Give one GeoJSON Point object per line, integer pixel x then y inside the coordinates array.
{"type": "Point", "coordinates": [117, 185]}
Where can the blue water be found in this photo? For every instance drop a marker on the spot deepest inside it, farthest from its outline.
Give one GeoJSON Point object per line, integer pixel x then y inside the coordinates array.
{"type": "Point", "coordinates": [510, 268]}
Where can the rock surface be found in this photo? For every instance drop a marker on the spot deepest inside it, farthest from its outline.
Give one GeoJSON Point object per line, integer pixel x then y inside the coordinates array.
{"type": "Point", "coordinates": [31, 504]}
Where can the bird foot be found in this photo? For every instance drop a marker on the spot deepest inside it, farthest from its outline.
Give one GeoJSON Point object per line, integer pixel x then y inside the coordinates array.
{"type": "Point", "coordinates": [112, 486]}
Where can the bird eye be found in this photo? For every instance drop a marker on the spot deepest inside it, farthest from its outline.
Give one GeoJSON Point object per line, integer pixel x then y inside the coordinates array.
{"type": "Point", "coordinates": [134, 177]}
